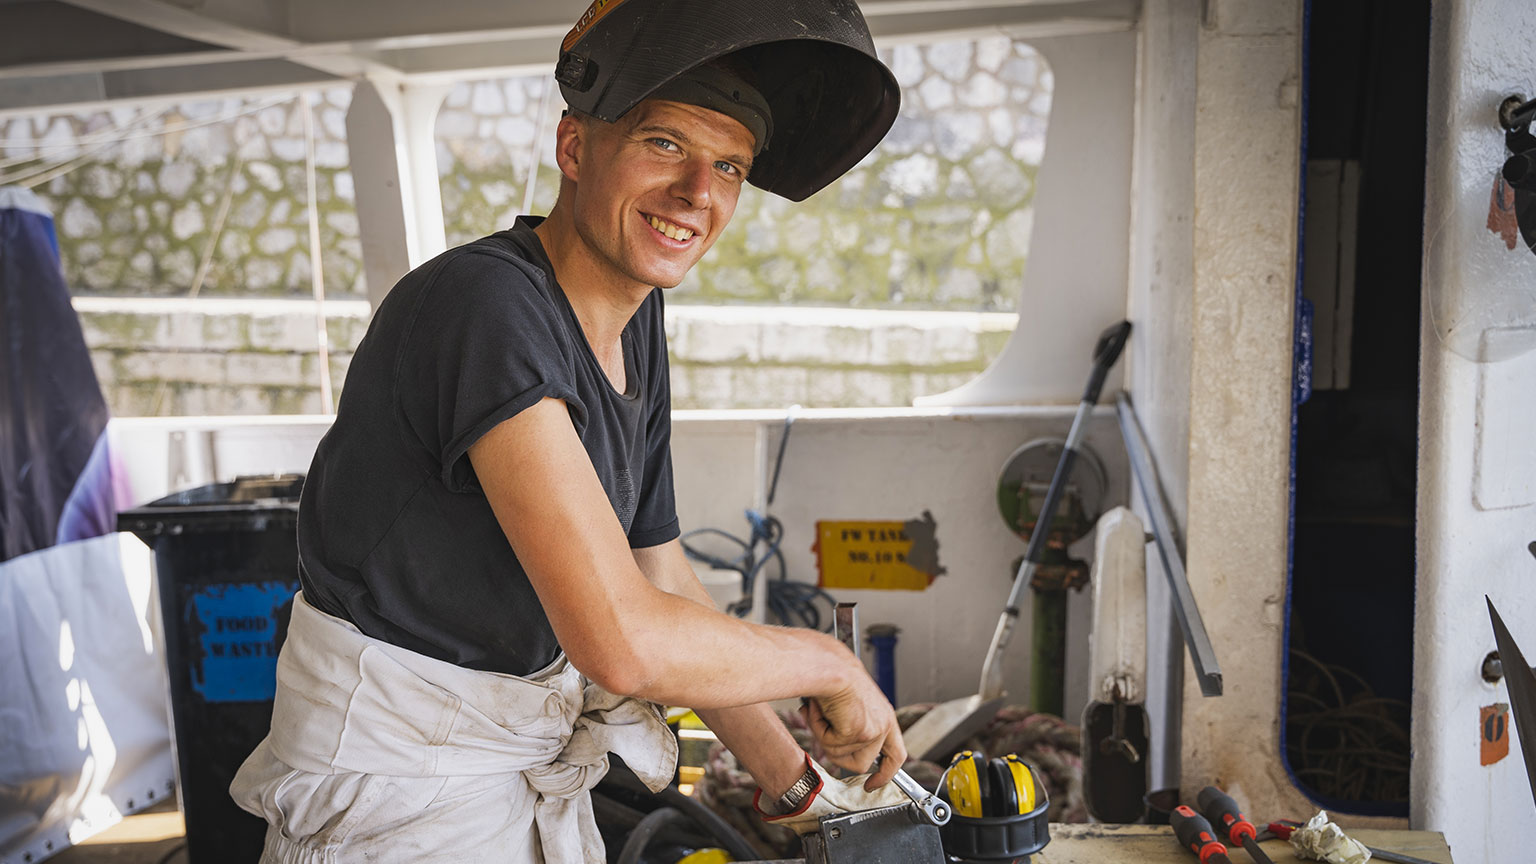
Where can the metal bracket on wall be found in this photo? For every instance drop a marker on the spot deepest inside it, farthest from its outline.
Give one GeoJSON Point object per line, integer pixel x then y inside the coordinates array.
{"type": "Point", "coordinates": [1516, 113]}
{"type": "Point", "coordinates": [191, 459]}
{"type": "Point", "coordinates": [1519, 171]}
{"type": "Point", "coordinates": [1207, 670]}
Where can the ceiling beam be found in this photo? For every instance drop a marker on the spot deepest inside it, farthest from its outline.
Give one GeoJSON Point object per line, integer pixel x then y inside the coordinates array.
{"type": "Point", "coordinates": [408, 39]}
{"type": "Point", "coordinates": [34, 32]}
{"type": "Point", "coordinates": [446, 55]}
{"type": "Point", "coordinates": [201, 27]}
{"type": "Point", "coordinates": [337, 20]}
{"type": "Point", "coordinates": [30, 95]}
{"type": "Point", "coordinates": [916, 19]}
{"type": "Point", "coordinates": [169, 18]}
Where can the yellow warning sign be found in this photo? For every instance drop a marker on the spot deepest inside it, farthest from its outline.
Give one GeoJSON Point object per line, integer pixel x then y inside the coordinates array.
{"type": "Point", "coordinates": [892, 556]}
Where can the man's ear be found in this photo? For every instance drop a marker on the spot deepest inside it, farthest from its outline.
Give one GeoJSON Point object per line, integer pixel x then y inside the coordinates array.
{"type": "Point", "coordinates": [570, 137]}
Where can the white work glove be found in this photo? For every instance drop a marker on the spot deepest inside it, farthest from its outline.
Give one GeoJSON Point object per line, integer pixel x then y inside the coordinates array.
{"type": "Point", "coordinates": [828, 797]}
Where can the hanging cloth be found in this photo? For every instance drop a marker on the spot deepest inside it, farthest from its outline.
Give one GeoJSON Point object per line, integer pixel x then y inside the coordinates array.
{"type": "Point", "coordinates": [55, 468]}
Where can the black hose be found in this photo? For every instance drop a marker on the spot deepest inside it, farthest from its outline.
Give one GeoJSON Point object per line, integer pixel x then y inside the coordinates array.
{"type": "Point", "coordinates": [612, 814]}
{"type": "Point", "coordinates": [727, 836]}
{"type": "Point", "coordinates": [644, 832]}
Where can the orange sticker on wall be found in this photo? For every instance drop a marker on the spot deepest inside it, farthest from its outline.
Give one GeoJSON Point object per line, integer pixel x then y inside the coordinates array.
{"type": "Point", "coordinates": [891, 556]}
{"type": "Point", "coordinates": [1494, 733]}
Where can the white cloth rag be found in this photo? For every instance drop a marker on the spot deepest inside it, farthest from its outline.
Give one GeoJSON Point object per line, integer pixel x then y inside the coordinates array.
{"type": "Point", "coordinates": [381, 754]}
{"type": "Point", "coordinates": [1321, 840]}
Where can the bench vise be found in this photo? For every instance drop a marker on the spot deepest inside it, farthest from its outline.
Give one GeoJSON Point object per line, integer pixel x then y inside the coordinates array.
{"type": "Point", "coordinates": [889, 835]}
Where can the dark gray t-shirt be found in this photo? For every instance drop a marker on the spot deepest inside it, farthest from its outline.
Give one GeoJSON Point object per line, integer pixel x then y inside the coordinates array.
{"type": "Point", "coordinates": [395, 534]}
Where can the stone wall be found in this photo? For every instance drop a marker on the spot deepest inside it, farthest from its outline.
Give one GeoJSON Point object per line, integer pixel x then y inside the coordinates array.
{"type": "Point", "coordinates": [937, 217]}
{"type": "Point", "coordinates": [261, 357]}
{"type": "Point", "coordinates": [180, 357]}
{"type": "Point", "coordinates": [142, 197]}
{"type": "Point", "coordinates": [205, 202]}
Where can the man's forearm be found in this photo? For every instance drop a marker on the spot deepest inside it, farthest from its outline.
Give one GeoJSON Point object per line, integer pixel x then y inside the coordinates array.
{"type": "Point", "coordinates": [761, 744]}
{"type": "Point", "coordinates": [753, 733]}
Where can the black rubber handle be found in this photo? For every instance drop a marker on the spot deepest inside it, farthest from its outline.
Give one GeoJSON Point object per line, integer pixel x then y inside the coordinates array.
{"type": "Point", "coordinates": [1195, 834]}
{"type": "Point", "coordinates": [1225, 815]}
{"type": "Point", "coordinates": [1105, 353]}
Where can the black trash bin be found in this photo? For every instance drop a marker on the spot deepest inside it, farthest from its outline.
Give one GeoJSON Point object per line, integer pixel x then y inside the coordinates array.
{"type": "Point", "coordinates": [226, 567]}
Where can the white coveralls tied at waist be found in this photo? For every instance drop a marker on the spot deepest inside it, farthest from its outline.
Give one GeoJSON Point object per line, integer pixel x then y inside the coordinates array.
{"type": "Point", "coordinates": [381, 754]}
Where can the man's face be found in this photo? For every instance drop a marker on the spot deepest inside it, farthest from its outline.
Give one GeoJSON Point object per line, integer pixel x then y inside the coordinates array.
{"type": "Point", "coordinates": [654, 190]}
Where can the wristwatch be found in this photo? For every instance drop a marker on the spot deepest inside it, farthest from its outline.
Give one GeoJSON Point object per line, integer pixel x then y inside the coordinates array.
{"type": "Point", "coordinates": [792, 800]}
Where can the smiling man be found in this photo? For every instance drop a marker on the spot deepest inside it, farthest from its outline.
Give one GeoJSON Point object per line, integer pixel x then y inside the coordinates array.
{"type": "Point", "coordinates": [494, 594]}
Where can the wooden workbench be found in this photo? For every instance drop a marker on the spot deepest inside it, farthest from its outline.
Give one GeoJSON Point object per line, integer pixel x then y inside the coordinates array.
{"type": "Point", "coordinates": [150, 838]}
{"type": "Point", "coordinates": [1152, 844]}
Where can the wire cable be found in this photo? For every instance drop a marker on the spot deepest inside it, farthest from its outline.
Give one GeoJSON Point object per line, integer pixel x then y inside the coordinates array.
{"type": "Point", "coordinates": [36, 175]}
{"type": "Point", "coordinates": [86, 140]}
{"type": "Point", "coordinates": [96, 137]}
{"type": "Point", "coordinates": [1343, 740]}
{"type": "Point", "coordinates": [792, 603]}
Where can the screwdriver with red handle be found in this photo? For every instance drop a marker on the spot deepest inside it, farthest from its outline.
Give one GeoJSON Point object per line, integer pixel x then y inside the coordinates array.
{"type": "Point", "coordinates": [1224, 813]}
{"type": "Point", "coordinates": [1196, 835]}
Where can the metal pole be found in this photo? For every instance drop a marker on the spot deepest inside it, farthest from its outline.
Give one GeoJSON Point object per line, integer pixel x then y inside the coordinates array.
{"type": "Point", "coordinates": [1200, 651]}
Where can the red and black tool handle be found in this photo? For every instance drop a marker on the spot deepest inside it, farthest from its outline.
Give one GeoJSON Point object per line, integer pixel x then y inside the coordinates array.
{"type": "Point", "coordinates": [1223, 812]}
{"type": "Point", "coordinates": [1283, 828]}
{"type": "Point", "coordinates": [1195, 834]}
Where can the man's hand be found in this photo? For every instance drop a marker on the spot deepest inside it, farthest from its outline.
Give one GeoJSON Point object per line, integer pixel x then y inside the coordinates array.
{"type": "Point", "coordinates": [829, 797]}
{"type": "Point", "coordinates": [855, 726]}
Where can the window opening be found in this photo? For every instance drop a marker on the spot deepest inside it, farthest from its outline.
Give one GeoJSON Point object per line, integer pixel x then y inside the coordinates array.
{"type": "Point", "coordinates": [899, 280]}
{"type": "Point", "coordinates": [1350, 624]}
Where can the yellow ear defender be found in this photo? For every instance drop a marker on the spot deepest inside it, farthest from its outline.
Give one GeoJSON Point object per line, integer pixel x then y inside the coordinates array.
{"type": "Point", "coordinates": [979, 787]}
{"type": "Point", "coordinates": [965, 784]}
{"type": "Point", "coordinates": [1013, 786]}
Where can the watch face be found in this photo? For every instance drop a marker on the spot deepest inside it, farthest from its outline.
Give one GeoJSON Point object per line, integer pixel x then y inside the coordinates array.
{"type": "Point", "coordinates": [796, 794]}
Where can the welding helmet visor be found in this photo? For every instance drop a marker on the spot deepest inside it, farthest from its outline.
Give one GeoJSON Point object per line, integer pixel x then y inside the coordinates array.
{"type": "Point", "coordinates": [830, 98]}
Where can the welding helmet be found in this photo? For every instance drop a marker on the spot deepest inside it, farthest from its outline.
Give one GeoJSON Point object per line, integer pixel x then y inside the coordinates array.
{"type": "Point", "coordinates": [830, 98]}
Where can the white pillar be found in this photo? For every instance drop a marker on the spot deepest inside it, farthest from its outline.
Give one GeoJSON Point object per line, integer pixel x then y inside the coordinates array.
{"type": "Point", "coordinates": [394, 169]}
{"type": "Point", "coordinates": [1476, 503]}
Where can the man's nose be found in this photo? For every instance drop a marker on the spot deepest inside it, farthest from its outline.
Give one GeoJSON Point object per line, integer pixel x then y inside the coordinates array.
{"type": "Point", "coordinates": [693, 182]}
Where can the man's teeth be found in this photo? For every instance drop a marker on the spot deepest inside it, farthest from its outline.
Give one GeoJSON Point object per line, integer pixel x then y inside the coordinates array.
{"type": "Point", "coordinates": [670, 230]}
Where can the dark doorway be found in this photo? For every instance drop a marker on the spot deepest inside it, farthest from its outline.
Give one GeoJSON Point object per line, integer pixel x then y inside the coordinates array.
{"type": "Point", "coordinates": [1350, 625]}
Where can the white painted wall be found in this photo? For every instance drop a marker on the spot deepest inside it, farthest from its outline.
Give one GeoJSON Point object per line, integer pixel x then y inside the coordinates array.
{"type": "Point", "coordinates": [1470, 544]}
{"type": "Point", "coordinates": [169, 454]}
{"type": "Point", "coordinates": [1074, 285]}
{"type": "Point", "coordinates": [840, 464]}
{"type": "Point", "coordinates": [894, 465]}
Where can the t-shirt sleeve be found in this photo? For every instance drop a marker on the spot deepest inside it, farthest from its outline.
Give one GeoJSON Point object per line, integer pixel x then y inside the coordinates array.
{"type": "Point", "coordinates": [655, 519]}
{"type": "Point", "coordinates": [484, 344]}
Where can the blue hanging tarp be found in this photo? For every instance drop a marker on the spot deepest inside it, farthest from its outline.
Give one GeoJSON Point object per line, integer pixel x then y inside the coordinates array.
{"type": "Point", "coordinates": [55, 471]}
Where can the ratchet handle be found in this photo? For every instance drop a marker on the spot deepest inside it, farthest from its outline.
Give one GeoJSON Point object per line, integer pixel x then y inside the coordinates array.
{"type": "Point", "coordinates": [934, 808]}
